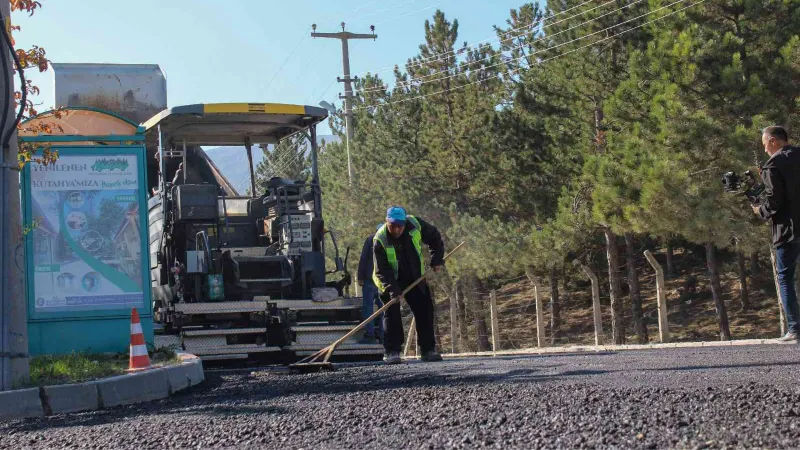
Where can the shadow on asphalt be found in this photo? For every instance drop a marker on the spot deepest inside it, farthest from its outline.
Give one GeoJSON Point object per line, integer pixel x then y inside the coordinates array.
{"type": "Point", "coordinates": [203, 400]}
{"type": "Point", "coordinates": [232, 394]}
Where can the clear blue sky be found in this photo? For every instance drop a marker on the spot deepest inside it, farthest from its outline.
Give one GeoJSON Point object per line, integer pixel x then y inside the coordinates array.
{"type": "Point", "coordinates": [228, 51]}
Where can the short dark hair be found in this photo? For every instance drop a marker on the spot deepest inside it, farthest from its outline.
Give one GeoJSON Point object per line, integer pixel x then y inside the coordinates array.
{"type": "Point", "coordinates": [777, 132]}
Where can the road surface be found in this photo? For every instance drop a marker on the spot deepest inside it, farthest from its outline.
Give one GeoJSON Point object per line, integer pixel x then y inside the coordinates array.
{"type": "Point", "coordinates": [745, 396]}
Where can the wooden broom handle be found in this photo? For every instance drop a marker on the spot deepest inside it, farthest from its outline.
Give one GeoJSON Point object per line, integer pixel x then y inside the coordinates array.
{"type": "Point", "coordinates": [329, 349]}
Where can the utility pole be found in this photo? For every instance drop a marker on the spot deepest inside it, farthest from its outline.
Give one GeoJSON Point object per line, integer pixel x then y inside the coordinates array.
{"type": "Point", "coordinates": [13, 319]}
{"type": "Point", "coordinates": [345, 36]}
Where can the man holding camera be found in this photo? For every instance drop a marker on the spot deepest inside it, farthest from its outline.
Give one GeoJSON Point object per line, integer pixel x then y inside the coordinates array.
{"type": "Point", "coordinates": [781, 204]}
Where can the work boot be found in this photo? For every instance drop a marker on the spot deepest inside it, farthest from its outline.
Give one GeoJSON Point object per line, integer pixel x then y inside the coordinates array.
{"type": "Point", "coordinates": [392, 358]}
{"type": "Point", "coordinates": [789, 337]}
{"type": "Point", "coordinates": [431, 356]}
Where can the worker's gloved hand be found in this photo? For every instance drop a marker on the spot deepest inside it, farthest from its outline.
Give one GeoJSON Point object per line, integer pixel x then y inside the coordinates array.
{"type": "Point", "coordinates": [438, 268]}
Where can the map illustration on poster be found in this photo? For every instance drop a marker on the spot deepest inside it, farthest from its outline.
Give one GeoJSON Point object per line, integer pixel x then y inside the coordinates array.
{"type": "Point", "coordinates": [87, 239]}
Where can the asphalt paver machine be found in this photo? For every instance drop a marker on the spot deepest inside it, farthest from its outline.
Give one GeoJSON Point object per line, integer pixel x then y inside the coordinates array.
{"type": "Point", "coordinates": [242, 276]}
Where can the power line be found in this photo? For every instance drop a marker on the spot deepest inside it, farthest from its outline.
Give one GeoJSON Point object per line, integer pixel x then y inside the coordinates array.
{"type": "Point", "coordinates": [438, 56]}
{"type": "Point", "coordinates": [409, 13]}
{"type": "Point", "coordinates": [422, 80]}
{"type": "Point", "coordinates": [281, 162]}
{"type": "Point", "coordinates": [385, 9]}
{"type": "Point", "coordinates": [559, 45]}
{"type": "Point", "coordinates": [305, 34]}
{"type": "Point", "coordinates": [384, 21]}
{"type": "Point", "coordinates": [326, 90]}
{"type": "Point", "coordinates": [314, 95]}
{"type": "Point", "coordinates": [287, 164]}
{"type": "Point", "coordinates": [338, 14]}
{"type": "Point", "coordinates": [303, 70]}
{"type": "Point", "coordinates": [543, 60]}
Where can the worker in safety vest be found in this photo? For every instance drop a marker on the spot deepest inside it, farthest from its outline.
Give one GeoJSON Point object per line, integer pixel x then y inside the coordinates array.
{"type": "Point", "coordinates": [399, 262]}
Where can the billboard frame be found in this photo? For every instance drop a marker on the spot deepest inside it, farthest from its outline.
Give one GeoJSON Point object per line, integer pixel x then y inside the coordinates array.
{"type": "Point", "coordinates": [100, 330]}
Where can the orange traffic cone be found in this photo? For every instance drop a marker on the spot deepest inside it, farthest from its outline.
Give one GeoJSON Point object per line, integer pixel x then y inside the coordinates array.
{"type": "Point", "coordinates": [139, 358]}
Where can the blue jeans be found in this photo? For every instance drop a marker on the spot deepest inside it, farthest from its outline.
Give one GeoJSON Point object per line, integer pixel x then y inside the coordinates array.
{"type": "Point", "coordinates": [786, 260]}
{"type": "Point", "coordinates": [371, 297]}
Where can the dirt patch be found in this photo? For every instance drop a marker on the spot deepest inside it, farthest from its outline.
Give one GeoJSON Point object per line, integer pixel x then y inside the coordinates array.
{"type": "Point", "coordinates": [692, 315]}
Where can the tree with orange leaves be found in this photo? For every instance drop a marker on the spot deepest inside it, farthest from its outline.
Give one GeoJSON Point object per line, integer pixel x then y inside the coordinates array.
{"type": "Point", "coordinates": [27, 59]}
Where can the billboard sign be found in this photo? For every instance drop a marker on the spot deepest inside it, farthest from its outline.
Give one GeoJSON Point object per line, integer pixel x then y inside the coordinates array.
{"type": "Point", "coordinates": [86, 251]}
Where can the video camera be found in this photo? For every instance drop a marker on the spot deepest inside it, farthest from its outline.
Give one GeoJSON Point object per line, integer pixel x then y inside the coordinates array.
{"type": "Point", "coordinates": [747, 185]}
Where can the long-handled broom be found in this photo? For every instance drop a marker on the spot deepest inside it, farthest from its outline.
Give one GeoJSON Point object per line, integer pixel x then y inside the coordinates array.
{"type": "Point", "coordinates": [319, 360]}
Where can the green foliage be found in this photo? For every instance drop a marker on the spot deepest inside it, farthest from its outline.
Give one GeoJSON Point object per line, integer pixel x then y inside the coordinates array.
{"type": "Point", "coordinates": [289, 159]}
{"type": "Point", "coordinates": [528, 148]}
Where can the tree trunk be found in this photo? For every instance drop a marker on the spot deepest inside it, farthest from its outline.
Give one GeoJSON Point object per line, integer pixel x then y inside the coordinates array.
{"type": "Point", "coordinates": [635, 292]}
{"type": "Point", "coordinates": [670, 262]}
{"type": "Point", "coordinates": [454, 344]}
{"type": "Point", "coordinates": [13, 277]}
{"type": "Point", "coordinates": [600, 137]}
{"type": "Point", "coordinates": [555, 315]}
{"type": "Point", "coordinates": [564, 294]}
{"type": "Point", "coordinates": [716, 291]}
{"type": "Point", "coordinates": [615, 288]}
{"type": "Point", "coordinates": [743, 297]}
{"type": "Point", "coordinates": [754, 269]}
{"type": "Point", "coordinates": [478, 313]}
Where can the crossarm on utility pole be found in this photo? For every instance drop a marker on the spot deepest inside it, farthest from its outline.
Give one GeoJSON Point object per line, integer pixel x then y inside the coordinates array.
{"type": "Point", "coordinates": [345, 37]}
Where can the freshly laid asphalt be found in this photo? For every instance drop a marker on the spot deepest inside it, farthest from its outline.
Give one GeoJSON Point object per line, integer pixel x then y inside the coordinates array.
{"type": "Point", "coordinates": [723, 397]}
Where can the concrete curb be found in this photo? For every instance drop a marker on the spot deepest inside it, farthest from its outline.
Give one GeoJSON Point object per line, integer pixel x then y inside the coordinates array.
{"type": "Point", "coordinates": [136, 387]}
{"type": "Point", "coordinates": [615, 348]}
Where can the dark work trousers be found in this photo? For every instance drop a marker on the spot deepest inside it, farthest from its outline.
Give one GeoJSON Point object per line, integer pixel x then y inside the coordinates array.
{"type": "Point", "coordinates": [421, 303]}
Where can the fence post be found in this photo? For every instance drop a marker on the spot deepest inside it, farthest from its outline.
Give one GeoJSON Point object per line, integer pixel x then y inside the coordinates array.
{"type": "Point", "coordinates": [777, 288]}
{"type": "Point", "coordinates": [540, 338]}
{"type": "Point", "coordinates": [454, 319]}
{"type": "Point", "coordinates": [598, 314]}
{"type": "Point", "coordinates": [495, 323]}
{"type": "Point", "coordinates": [412, 332]}
{"type": "Point", "coordinates": [663, 324]}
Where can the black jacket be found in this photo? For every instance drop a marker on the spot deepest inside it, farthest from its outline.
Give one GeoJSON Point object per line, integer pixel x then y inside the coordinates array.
{"type": "Point", "coordinates": [365, 263]}
{"type": "Point", "coordinates": [781, 175]}
{"type": "Point", "coordinates": [407, 258]}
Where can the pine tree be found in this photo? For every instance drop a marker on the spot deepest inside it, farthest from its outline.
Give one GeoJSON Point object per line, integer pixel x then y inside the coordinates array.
{"type": "Point", "coordinates": [600, 67]}
{"type": "Point", "coordinates": [288, 159]}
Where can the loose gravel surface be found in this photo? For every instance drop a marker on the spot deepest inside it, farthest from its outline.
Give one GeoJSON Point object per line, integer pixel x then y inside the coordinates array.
{"type": "Point", "coordinates": [734, 397]}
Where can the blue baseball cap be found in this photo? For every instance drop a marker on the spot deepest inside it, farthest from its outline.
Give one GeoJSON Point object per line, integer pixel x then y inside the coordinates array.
{"type": "Point", "coordinates": [396, 214]}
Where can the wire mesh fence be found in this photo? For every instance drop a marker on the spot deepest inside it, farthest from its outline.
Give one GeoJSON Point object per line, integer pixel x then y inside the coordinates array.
{"type": "Point", "coordinates": [519, 314]}
{"type": "Point", "coordinates": [566, 316]}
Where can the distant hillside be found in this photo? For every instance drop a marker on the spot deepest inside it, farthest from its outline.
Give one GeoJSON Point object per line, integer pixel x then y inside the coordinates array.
{"type": "Point", "coordinates": [232, 161]}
